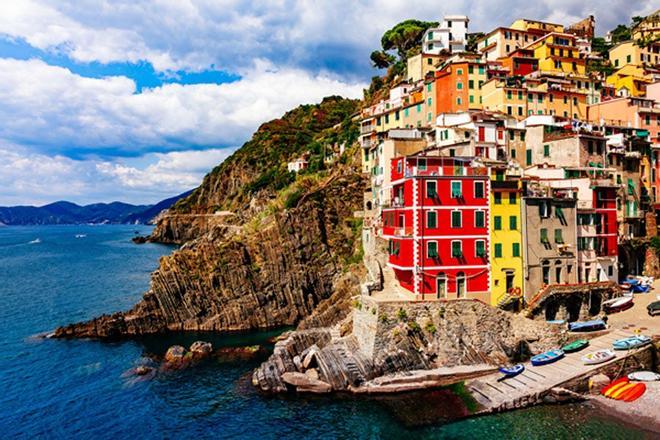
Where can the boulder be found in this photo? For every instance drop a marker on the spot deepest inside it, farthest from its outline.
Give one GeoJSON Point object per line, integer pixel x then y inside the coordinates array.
{"type": "Point", "coordinates": [175, 354]}
{"type": "Point", "coordinates": [201, 349]}
{"type": "Point", "coordinates": [597, 382]}
{"type": "Point", "coordinates": [305, 384]}
{"type": "Point", "coordinates": [309, 359]}
{"type": "Point", "coordinates": [312, 373]}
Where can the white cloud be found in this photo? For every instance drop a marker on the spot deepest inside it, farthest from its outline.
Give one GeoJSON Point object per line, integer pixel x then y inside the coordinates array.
{"type": "Point", "coordinates": [229, 34]}
{"type": "Point", "coordinates": [59, 112]}
{"type": "Point", "coordinates": [31, 178]}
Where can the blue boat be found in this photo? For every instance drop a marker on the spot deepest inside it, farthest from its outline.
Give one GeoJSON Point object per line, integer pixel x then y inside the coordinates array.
{"type": "Point", "coordinates": [631, 342]}
{"type": "Point", "coordinates": [639, 288]}
{"type": "Point", "coordinates": [512, 370]}
{"type": "Point", "coordinates": [631, 281]}
{"type": "Point", "coordinates": [548, 357]}
{"type": "Point", "coordinates": [587, 326]}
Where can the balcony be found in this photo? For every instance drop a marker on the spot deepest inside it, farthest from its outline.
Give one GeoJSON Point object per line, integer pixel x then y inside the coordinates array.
{"type": "Point", "coordinates": [367, 129]}
{"type": "Point", "coordinates": [444, 171]}
{"type": "Point", "coordinates": [504, 184]}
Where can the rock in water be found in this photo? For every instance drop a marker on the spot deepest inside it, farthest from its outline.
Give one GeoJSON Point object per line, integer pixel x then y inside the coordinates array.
{"type": "Point", "coordinates": [175, 354]}
{"type": "Point", "coordinates": [201, 349]}
{"type": "Point", "coordinates": [306, 383]}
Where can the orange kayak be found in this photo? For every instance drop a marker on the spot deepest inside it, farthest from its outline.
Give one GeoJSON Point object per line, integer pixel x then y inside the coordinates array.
{"type": "Point", "coordinates": [606, 389]}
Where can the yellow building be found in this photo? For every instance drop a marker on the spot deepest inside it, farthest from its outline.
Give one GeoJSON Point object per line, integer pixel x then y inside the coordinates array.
{"type": "Point", "coordinates": [524, 24]}
{"type": "Point", "coordinates": [557, 53]}
{"type": "Point", "coordinates": [629, 52]}
{"type": "Point", "coordinates": [648, 29]}
{"type": "Point", "coordinates": [506, 96]}
{"type": "Point", "coordinates": [507, 277]}
{"type": "Point", "coordinates": [631, 80]}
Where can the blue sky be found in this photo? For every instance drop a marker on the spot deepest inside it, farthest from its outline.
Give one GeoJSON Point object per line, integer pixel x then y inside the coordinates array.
{"type": "Point", "coordinates": [136, 100]}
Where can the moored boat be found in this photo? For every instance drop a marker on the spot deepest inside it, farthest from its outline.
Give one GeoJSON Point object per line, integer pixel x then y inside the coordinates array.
{"type": "Point", "coordinates": [617, 304]}
{"type": "Point", "coordinates": [598, 357]}
{"type": "Point", "coordinates": [575, 346]}
{"type": "Point", "coordinates": [548, 357]}
{"type": "Point", "coordinates": [512, 370]}
{"type": "Point", "coordinates": [644, 376]}
{"type": "Point", "coordinates": [631, 342]}
{"type": "Point", "coordinates": [587, 326]}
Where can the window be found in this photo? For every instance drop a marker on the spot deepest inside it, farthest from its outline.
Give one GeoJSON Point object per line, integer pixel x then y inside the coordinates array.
{"type": "Point", "coordinates": [544, 209]}
{"type": "Point", "coordinates": [471, 84]}
{"type": "Point", "coordinates": [497, 220]}
{"type": "Point", "coordinates": [470, 70]}
{"type": "Point", "coordinates": [546, 272]}
{"type": "Point", "coordinates": [509, 110]}
{"type": "Point", "coordinates": [498, 198]}
{"type": "Point", "coordinates": [456, 249]}
{"type": "Point", "coordinates": [478, 190]}
{"type": "Point", "coordinates": [430, 35]}
{"type": "Point", "coordinates": [479, 219]}
{"type": "Point", "coordinates": [456, 219]}
{"type": "Point", "coordinates": [431, 189]}
{"type": "Point", "coordinates": [558, 274]}
{"type": "Point", "coordinates": [480, 248]}
{"type": "Point", "coordinates": [520, 111]}
{"type": "Point", "coordinates": [558, 237]}
{"type": "Point", "coordinates": [471, 99]}
{"type": "Point", "coordinates": [520, 95]}
{"type": "Point", "coordinates": [421, 164]}
{"type": "Point", "coordinates": [512, 198]}
{"type": "Point", "coordinates": [530, 97]}
{"type": "Point", "coordinates": [509, 95]}
{"type": "Point", "coordinates": [429, 102]}
{"type": "Point", "coordinates": [515, 249]}
{"type": "Point", "coordinates": [498, 250]}
{"type": "Point", "coordinates": [459, 72]}
{"type": "Point", "coordinates": [394, 247]}
{"type": "Point", "coordinates": [513, 223]}
{"type": "Point", "coordinates": [431, 249]}
{"type": "Point", "coordinates": [456, 190]}
{"type": "Point", "coordinates": [428, 87]}
{"type": "Point", "coordinates": [481, 70]}
{"type": "Point", "coordinates": [431, 219]}
{"type": "Point", "coordinates": [528, 153]}
{"type": "Point", "coordinates": [628, 59]}
{"type": "Point", "coordinates": [544, 236]}
{"type": "Point", "coordinates": [546, 150]}
{"type": "Point", "coordinates": [459, 86]}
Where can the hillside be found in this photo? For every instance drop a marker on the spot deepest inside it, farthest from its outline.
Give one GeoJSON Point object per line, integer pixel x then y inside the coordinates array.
{"type": "Point", "coordinates": [284, 243]}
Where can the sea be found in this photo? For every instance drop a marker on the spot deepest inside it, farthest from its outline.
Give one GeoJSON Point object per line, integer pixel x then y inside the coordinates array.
{"type": "Point", "coordinates": [84, 389]}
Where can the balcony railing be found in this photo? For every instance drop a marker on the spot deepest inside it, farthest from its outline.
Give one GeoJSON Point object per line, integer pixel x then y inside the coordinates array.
{"type": "Point", "coordinates": [366, 129]}
{"type": "Point", "coordinates": [440, 171]}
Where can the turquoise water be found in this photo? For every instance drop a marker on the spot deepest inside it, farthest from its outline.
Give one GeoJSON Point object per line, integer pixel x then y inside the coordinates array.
{"type": "Point", "coordinates": [80, 389]}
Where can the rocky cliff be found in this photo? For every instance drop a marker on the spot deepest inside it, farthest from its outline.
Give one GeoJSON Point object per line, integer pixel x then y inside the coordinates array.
{"type": "Point", "coordinates": [261, 247]}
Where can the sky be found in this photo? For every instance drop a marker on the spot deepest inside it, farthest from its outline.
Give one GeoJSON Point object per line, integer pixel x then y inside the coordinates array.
{"type": "Point", "coordinates": [136, 100]}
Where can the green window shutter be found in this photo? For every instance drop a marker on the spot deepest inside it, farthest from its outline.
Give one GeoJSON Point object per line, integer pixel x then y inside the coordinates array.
{"type": "Point", "coordinates": [631, 187]}
{"type": "Point", "coordinates": [529, 157]}
{"type": "Point", "coordinates": [498, 222]}
{"type": "Point", "coordinates": [432, 249]}
{"type": "Point", "coordinates": [471, 85]}
{"type": "Point", "coordinates": [522, 136]}
{"type": "Point", "coordinates": [481, 248]}
{"type": "Point", "coordinates": [479, 219]}
{"type": "Point", "coordinates": [509, 94]}
{"type": "Point", "coordinates": [431, 219]}
{"type": "Point", "coordinates": [456, 251]}
{"type": "Point", "coordinates": [431, 191]}
{"type": "Point", "coordinates": [470, 69]}
{"type": "Point", "coordinates": [546, 150]}
{"type": "Point", "coordinates": [479, 190]}
{"type": "Point", "coordinates": [544, 235]}
{"type": "Point", "coordinates": [558, 238]}
{"type": "Point", "coordinates": [456, 219]}
{"type": "Point", "coordinates": [456, 192]}
{"type": "Point", "coordinates": [559, 212]}
{"type": "Point", "coordinates": [498, 198]}
{"type": "Point", "coordinates": [512, 198]}
{"type": "Point", "coordinates": [515, 249]}
{"type": "Point", "coordinates": [513, 223]}
{"type": "Point", "coordinates": [498, 250]}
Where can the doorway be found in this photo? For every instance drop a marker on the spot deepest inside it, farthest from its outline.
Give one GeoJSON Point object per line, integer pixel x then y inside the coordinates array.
{"type": "Point", "coordinates": [441, 286]}
{"type": "Point", "coordinates": [460, 285]}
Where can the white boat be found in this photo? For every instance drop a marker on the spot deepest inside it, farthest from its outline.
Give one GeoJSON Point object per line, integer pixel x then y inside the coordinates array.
{"type": "Point", "coordinates": [81, 235]}
{"type": "Point", "coordinates": [598, 357]}
{"type": "Point", "coordinates": [644, 376]}
{"type": "Point", "coordinates": [35, 241]}
{"type": "Point", "coordinates": [617, 304]}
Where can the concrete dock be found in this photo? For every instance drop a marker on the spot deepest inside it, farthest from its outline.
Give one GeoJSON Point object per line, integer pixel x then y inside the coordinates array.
{"type": "Point", "coordinates": [532, 385]}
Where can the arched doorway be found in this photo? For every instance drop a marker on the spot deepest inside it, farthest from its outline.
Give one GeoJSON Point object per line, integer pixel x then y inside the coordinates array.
{"type": "Point", "coordinates": [460, 285]}
{"type": "Point", "coordinates": [441, 286]}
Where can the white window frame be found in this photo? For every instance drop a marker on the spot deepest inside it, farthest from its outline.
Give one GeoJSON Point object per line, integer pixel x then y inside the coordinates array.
{"type": "Point", "coordinates": [431, 211]}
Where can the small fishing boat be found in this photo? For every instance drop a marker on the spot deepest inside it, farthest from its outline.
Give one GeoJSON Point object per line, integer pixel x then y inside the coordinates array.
{"type": "Point", "coordinates": [644, 376]}
{"type": "Point", "coordinates": [512, 370]}
{"type": "Point", "coordinates": [617, 304]}
{"type": "Point", "coordinates": [598, 357]}
{"type": "Point", "coordinates": [548, 357]}
{"type": "Point", "coordinates": [653, 308]}
{"type": "Point", "coordinates": [35, 241]}
{"type": "Point", "coordinates": [575, 346]}
{"type": "Point", "coordinates": [640, 288]}
{"type": "Point", "coordinates": [556, 321]}
{"type": "Point", "coordinates": [631, 342]}
{"type": "Point", "coordinates": [587, 326]}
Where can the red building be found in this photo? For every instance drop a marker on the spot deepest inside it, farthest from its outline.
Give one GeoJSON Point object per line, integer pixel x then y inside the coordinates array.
{"type": "Point", "coordinates": [607, 230]}
{"type": "Point", "coordinates": [437, 227]}
{"type": "Point", "coordinates": [520, 62]}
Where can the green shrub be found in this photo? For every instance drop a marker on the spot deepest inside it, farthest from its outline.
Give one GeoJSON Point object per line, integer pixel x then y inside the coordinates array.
{"type": "Point", "coordinates": [293, 198]}
{"type": "Point", "coordinates": [414, 326]}
{"type": "Point", "coordinates": [402, 315]}
{"type": "Point", "coordinates": [430, 327]}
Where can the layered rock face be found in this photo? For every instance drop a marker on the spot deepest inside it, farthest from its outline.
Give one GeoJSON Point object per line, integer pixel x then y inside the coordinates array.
{"type": "Point", "coordinates": [261, 247]}
{"type": "Point", "coordinates": [388, 339]}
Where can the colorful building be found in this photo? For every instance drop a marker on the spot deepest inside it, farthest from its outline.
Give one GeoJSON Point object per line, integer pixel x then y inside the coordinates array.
{"type": "Point", "coordinates": [506, 252]}
{"type": "Point", "coordinates": [458, 85]}
{"type": "Point", "coordinates": [437, 227]}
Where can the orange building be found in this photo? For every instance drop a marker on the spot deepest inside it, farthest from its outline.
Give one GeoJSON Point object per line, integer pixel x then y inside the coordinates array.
{"type": "Point", "coordinates": [458, 85]}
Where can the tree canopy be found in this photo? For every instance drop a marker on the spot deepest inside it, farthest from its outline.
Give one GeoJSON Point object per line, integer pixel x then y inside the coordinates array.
{"type": "Point", "coordinates": [404, 39]}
